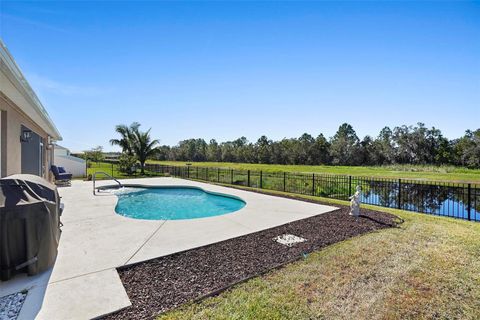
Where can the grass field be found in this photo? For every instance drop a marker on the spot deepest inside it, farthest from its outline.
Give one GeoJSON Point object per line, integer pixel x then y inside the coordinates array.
{"type": "Point", "coordinates": [113, 171]}
{"type": "Point", "coordinates": [105, 167]}
{"type": "Point", "coordinates": [428, 268]}
{"type": "Point", "coordinates": [443, 173]}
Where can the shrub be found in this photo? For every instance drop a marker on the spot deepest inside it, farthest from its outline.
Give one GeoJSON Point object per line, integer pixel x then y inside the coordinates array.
{"type": "Point", "coordinates": [126, 163]}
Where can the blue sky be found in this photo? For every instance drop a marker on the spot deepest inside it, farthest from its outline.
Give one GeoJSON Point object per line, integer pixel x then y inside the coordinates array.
{"type": "Point", "coordinates": [229, 69]}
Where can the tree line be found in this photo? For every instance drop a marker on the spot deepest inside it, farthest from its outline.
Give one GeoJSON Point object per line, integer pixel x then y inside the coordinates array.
{"type": "Point", "coordinates": [400, 145]}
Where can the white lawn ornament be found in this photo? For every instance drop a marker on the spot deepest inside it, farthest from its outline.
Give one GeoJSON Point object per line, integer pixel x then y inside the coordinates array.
{"type": "Point", "coordinates": [355, 202]}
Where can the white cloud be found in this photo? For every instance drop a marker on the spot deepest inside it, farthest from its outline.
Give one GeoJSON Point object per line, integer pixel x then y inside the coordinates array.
{"type": "Point", "coordinates": [44, 84]}
{"type": "Point", "coordinates": [33, 23]}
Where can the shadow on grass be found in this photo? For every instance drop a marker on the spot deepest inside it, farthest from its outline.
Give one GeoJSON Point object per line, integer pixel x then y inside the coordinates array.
{"type": "Point", "coordinates": [394, 224]}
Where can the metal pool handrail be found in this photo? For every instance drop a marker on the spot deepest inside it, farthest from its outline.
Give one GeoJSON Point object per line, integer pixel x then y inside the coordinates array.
{"type": "Point", "coordinates": [103, 172]}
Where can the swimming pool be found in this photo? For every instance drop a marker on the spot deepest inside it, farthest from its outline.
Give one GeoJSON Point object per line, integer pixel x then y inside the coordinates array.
{"type": "Point", "coordinates": [174, 203]}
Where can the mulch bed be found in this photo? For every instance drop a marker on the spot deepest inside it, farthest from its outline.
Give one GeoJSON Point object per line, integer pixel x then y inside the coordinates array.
{"type": "Point", "coordinates": [164, 283]}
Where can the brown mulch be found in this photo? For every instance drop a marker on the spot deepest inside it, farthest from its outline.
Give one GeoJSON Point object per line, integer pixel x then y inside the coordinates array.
{"type": "Point", "coordinates": [164, 283]}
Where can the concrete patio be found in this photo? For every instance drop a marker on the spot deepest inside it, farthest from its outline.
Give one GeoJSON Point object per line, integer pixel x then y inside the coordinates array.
{"type": "Point", "coordinates": [95, 240]}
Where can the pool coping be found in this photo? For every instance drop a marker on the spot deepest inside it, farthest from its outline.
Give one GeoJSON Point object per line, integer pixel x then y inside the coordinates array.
{"type": "Point", "coordinates": [145, 186]}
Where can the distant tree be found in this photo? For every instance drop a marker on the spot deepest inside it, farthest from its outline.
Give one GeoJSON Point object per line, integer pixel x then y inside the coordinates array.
{"type": "Point", "coordinates": [344, 147]}
{"type": "Point", "coordinates": [263, 149]}
{"type": "Point", "coordinates": [192, 150]}
{"type": "Point", "coordinates": [320, 153]}
{"type": "Point", "coordinates": [163, 153]}
{"type": "Point", "coordinates": [278, 153]}
{"type": "Point", "coordinates": [200, 150]}
{"type": "Point", "coordinates": [440, 147]}
{"type": "Point", "coordinates": [228, 151]}
{"type": "Point", "coordinates": [404, 145]}
{"type": "Point", "coordinates": [367, 151]}
{"type": "Point", "coordinates": [95, 154]}
{"type": "Point", "coordinates": [474, 152]}
{"type": "Point", "coordinates": [467, 149]}
{"type": "Point", "coordinates": [241, 152]}
{"type": "Point", "coordinates": [303, 149]}
{"type": "Point", "coordinates": [421, 145]}
{"type": "Point", "coordinates": [384, 149]}
{"type": "Point", "coordinates": [282, 152]}
{"type": "Point", "coordinates": [214, 152]}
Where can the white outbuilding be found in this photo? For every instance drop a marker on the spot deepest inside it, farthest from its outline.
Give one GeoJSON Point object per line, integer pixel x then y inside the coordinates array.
{"type": "Point", "coordinates": [74, 165]}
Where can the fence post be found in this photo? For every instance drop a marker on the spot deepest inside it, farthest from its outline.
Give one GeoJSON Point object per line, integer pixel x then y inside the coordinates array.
{"type": "Point", "coordinates": [231, 176]}
{"type": "Point", "coordinates": [218, 174]}
{"type": "Point", "coordinates": [399, 193]}
{"type": "Point", "coordinates": [261, 179]}
{"type": "Point", "coordinates": [207, 177]}
{"type": "Point", "coordinates": [313, 184]}
{"type": "Point", "coordinates": [469, 207]}
{"type": "Point", "coordinates": [188, 172]}
{"type": "Point", "coordinates": [349, 186]}
{"type": "Point", "coordinates": [284, 181]}
{"type": "Point", "coordinates": [248, 178]}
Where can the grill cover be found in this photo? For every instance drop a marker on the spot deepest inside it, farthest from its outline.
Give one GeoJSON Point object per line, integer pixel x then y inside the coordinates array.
{"type": "Point", "coordinates": [29, 225]}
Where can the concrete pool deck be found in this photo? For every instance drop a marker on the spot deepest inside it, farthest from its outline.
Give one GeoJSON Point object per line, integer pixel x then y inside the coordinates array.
{"type": "Point", "coordinates": [95, 240]}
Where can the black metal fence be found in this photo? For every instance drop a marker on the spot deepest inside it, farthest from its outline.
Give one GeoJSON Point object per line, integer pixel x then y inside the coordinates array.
{"type": "Point", "coordinates": [458, 200]}
{"type": "Point", "coordinates": [113, 169]}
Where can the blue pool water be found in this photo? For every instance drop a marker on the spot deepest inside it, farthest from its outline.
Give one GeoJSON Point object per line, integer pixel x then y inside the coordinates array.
{"type": "Point", "coordinates": [173, 203]}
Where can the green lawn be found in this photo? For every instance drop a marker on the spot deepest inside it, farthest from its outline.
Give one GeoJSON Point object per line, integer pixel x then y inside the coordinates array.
{"type": "Point", "coordinates": [113, 171]}
{"type": "Point", "coordinates": [105, 167]}
{"type": "Point", "coordinates": [429, 268]}
{"type": "Point", "coordinates": [445, 173]}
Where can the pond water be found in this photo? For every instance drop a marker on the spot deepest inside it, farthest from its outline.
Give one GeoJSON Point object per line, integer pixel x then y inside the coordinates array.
{"type": "Point", "coordinates": [439, 200]}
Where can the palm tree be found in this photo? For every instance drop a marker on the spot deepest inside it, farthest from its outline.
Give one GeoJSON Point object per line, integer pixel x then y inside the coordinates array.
{"type": "Point", "coordinates": [143, 146]}
{"type": "Point", "coordinates": [127, 138]}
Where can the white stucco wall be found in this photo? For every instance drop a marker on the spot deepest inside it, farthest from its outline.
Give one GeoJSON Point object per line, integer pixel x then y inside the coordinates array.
{"type": "Point", "coordinates": [73, 165]}
{"type": "Point", "coordinates": [61, 151]}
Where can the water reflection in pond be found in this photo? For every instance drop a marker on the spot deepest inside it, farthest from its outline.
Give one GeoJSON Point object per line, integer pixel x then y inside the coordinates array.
{"type": "Point", "coordinates": [446, 200]}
